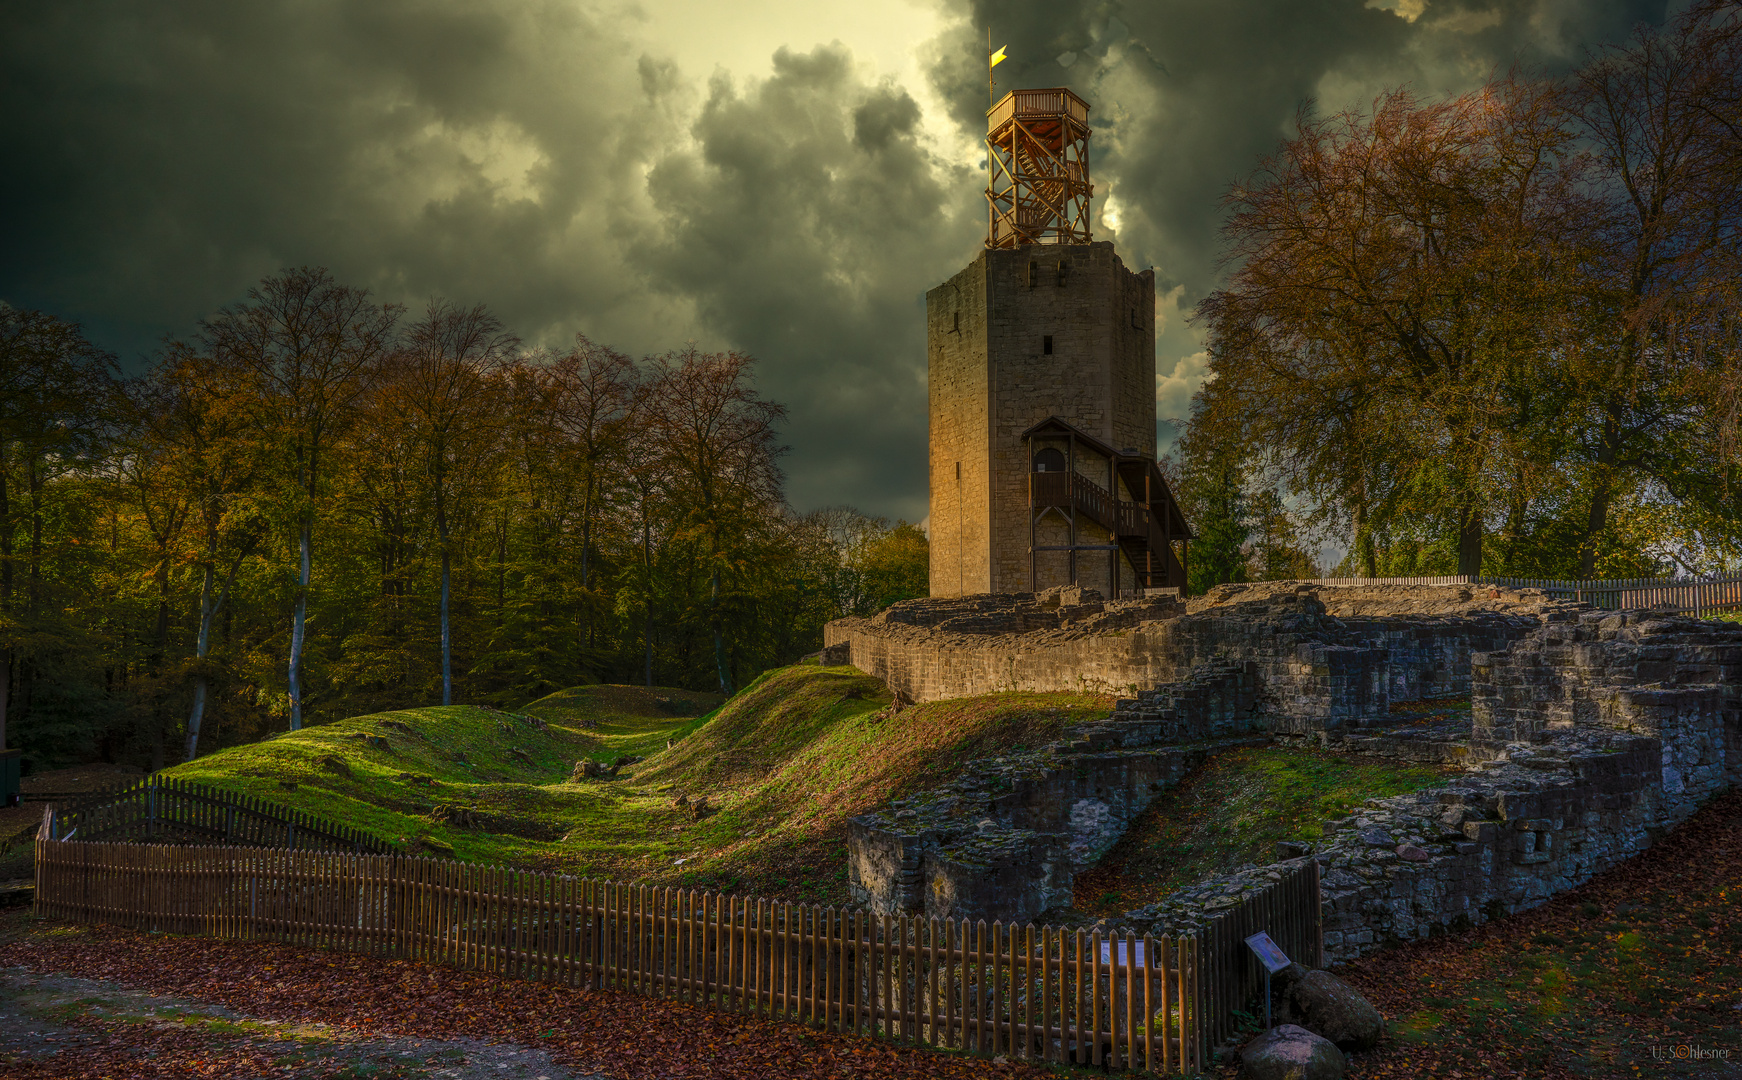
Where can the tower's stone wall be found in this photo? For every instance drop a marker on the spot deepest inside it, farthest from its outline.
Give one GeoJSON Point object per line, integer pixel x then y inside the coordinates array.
{"type": "Point", "coordinates": [991, 379]}
{"type": "Point", "coordinates": [960, 420]}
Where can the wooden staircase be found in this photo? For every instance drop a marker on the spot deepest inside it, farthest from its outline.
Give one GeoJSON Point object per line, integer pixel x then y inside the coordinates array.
{"type": "Point", "coordinates": [1136, 526]}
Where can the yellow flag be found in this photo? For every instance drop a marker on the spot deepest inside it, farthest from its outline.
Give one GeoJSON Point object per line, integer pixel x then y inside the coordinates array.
{"type": "Point", "coordinates": [997, 57]}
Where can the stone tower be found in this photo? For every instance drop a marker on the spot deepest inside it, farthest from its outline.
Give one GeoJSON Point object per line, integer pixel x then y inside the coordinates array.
{"type": "Point", "coordinates": [1041, 364]}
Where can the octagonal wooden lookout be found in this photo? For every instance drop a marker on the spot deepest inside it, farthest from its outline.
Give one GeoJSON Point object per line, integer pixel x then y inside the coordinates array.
{"type": "Point", "coordinates": [1037, 169]}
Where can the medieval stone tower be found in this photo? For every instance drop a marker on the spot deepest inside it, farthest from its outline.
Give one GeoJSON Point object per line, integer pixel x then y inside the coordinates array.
{"type": "Point", "coordinates": [1041, 360]}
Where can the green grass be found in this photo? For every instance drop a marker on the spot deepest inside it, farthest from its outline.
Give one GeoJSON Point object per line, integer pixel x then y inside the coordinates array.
{"type": "Point", "coordinates": [783, 764]}
{"type": "Point", "coordinates": [1233, 811]}
{"type": "Point", "coordinates": [458, 755]}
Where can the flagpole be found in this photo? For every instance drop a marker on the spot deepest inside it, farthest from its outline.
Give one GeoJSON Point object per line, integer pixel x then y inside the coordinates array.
{"type": "Point", "coordinates": [991, 84]}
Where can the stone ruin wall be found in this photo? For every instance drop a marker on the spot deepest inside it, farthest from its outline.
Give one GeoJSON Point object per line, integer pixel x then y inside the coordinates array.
{"type": "Point", "coordinates": [1007, 838]}
{"type": "Point", "coordinates": [1319, 669]}
{"type": "Point", "coordinates": [1590, 738]}
{"type": "Point", "coordinates": [1592, 732]}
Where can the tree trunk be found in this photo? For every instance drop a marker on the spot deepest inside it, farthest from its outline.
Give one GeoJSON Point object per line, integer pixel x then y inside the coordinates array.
{"type": "Point", "coordinates": [5, 589]}
{"type": "Point", "coordinates": [647, 594]}
{"type": "Point", "coordinates": [1601, 493]}
{"type": "Point", "coordinates": [159, 715]}
{"type": "Point", "coordinates": [196, 714]}
{"type": "Point", "coordinates": [1366, 559]}
{"type": "Point", "coordinates": [298, 621]}
{"type": "Point", "coordinates": [35, 569]}
{"type": "Point", "coordinates": [719, 636]}
{"type": "Point", "coordinates": [442, 536]}
{"type": "Point", "coordinates": [1470, 541]}
{"type": "Point", "coordinates": [202, 641]}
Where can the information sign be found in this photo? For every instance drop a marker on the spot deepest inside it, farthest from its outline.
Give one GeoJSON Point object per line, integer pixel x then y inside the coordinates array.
{"type": "Point", "coordinates": [1269, 953]}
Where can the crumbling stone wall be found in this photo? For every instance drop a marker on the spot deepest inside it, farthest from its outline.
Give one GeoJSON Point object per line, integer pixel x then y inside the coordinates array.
{"type": "Point", "coordinates": [1636, 671]}
{"type": "Point", "coordinates": [1497, 842]}
{"type": "Point", "coordinates": [1606, 764]}
{"type": "Point", "coordinates": [1591, 734]}
{"type": "Point", "coordinates": [1006, 840]}
{"type": "Point", "coordinates": [1315, 671]}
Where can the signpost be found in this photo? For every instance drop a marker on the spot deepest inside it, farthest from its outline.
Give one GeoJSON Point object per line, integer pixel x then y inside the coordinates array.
{"type": "Point", "coordinates": [1271, 956]}
{"type": "Point", "coordinates": [1125, 957]}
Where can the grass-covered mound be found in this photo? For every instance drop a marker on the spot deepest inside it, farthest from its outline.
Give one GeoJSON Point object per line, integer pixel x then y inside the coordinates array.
{"type": "Point", "coordinates": [782, 766]}
{"type": "Point", "coordinates": [796, 754]}
{"type": "Point", "coordinates": [404, 774]}
{"type": "Point", "coordinates": [1232, 812]}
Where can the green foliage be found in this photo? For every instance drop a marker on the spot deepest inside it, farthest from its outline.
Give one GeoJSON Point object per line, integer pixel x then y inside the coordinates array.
{"type": "Point", "coordinates": [1211, 492]}
{"type": "Point", "coordinates": [783, 765]}
{"type": "Point", "coordinates": [894, 566]}
{"type": "Point", "coordinates": [523, 521]}
{"type": "Point", "coordinates": [1276, 552]}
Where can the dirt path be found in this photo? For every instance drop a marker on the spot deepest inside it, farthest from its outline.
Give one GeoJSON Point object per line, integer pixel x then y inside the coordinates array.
{"type": "Point", "coordinates": [56, 1025]}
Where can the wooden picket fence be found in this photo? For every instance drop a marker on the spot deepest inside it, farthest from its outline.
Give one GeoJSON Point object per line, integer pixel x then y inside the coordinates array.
{"type": "Point", "coordinates": [1289, 911]}
{"type": "Point", "coordinates": [171, 810]}
{"type": "Point", "coordinates": [168, 856]}
{"type": "Point", "coordinates": [1038, 993]}
{"type": "Point", "coordinates": [1693, 596]}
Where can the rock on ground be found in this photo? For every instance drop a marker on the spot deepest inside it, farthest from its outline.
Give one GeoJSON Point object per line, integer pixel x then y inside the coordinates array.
{"type": "Point", "coordinates": [1290, 1052]}
{"type": "Point", "coordinates": [1327, 1006]}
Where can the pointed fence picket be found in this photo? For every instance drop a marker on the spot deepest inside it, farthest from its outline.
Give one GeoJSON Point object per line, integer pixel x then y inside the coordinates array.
{"type": "Point", "coordinates": [177, 811]}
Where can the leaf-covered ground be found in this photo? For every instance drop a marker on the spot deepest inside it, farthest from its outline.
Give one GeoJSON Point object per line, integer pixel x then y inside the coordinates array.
{"type": "Point", "coordinates": [1232, 812]}
{"type": "Point", "coordinates": [783, 764]}
{"type": "Point", "coordinates": [1626, 976]}
{"type": "Point", "coordinates": [255, 1010]}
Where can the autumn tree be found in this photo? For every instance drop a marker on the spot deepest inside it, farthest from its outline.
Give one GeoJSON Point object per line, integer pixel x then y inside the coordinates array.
{"type": "Point", "coordinates": [1395, 273]}
{"type": "Point", "coordinates": [444, 384]}
{"type": "Point", "coordinates": [311, 347]}
{"type": "Point", "coordinates": [60, 407]}
{"type": "Point", "coordinates": [719, 437]}
{"type": "Point", "coordinates": [193, 432]}
{"type": "Point", "coordinates": [1660, 114]}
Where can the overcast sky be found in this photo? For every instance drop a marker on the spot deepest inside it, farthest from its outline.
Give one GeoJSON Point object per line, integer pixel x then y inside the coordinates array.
{"type": "Point", "coordinates": [784, 177]}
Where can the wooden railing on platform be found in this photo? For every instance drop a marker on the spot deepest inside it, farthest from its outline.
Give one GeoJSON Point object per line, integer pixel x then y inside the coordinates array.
{"type": "Point", "coordinates": [172, 810]}
{"type": "Point", "coordinates": [1038, 993]}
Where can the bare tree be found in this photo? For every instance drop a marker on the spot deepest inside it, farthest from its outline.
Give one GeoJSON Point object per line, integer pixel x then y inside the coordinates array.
{"type": "Point", "coordinates": [444, 377]}
{"type": "Point", "coordinates": [720, 438]}
{"type": "Point", "coordinates": [311, 347]}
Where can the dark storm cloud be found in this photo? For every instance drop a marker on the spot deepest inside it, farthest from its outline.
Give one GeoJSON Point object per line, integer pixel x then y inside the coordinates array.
{"type": "Point", "coordinates": [804, 225]}
{"type": "Point", "coordinates": [1187, 96]}
{"type": "Point", "coordinates": [542, 158]}
{"type": "Point", "coordinates": [173, 153]}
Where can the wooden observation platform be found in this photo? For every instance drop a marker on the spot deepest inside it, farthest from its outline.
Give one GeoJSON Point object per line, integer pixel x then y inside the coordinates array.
{"type": "Point", "coordinates": [1037, 169]}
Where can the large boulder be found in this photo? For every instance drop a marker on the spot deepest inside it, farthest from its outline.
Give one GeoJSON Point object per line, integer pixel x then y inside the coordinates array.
{"type": "Point", "coordinates": [1325, 1004]}
{"type": "Point", "coordinates": [1290, 1052]}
